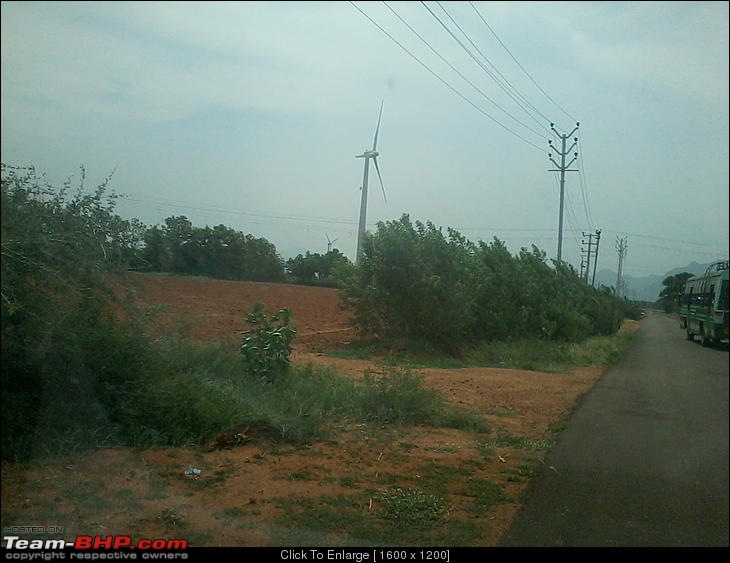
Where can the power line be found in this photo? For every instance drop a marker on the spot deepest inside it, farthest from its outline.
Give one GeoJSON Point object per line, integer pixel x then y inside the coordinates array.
{"type": "Point", "coordinates": [461, 74]}
{"type": "Point", "coordinates": [547, 119]}
{"type": "Point", "coordinates": [449, 86]}
{"type": "Point", "coordinates": [519, 65]}
{"type": "Point", "coordinates": [660, 238]}
{"type": "Point", "coordinates": [583, 187]}
{"type": "Point", "coordinates": [571, 212]}
{"type": "Point", "coordinates": [229, 211]}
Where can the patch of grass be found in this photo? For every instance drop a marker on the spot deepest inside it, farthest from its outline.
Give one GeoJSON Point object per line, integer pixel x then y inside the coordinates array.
{"type": "Point", "coordinates": [396, 396]}
{"type": "Point", "coordinates": [302, 476]}
{"type": "Point", "coordinates": [441, 479]}
{"type": "Point", "coordinates": [89, 496]}
{"type": "Point", "coordinates": [208, 479]}
{"type": "Point", "coordinates": [233, 513]}
{"type": "Point", "coordinates": [532, 354]}
{"type": "Point", "coordinates": [412, 507]}
{"type": "Point", "coordinates": [349, 482]}
{"type": "Point", "coordinates": [508, 440]}
{"type": "Point", "coordinates": [550, 356]}
{"type": "Point", "coordinates": [505, 414]}
{"type": "Point", "coordinates": [558, 426]}
{"type": "Point", "coordinates": [171, 518]}
{"type": "Point", "coordinates": [393, 517]}
{"type": "Point", "coordinates": [484, 494]}
{"type": "Point", "coordinates": [443, 450]}
{"type": "Point", "coordinates": [128, 499]}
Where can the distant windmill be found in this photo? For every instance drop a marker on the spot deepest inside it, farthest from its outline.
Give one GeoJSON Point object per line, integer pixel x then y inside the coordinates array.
{"type": "Point", "coordinates": [330, 243]}
{"type": "Point", "coordinates": [367, 155]}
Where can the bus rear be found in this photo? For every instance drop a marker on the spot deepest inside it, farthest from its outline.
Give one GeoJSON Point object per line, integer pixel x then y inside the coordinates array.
{"type": "Point", "coordinates": [704, 305]}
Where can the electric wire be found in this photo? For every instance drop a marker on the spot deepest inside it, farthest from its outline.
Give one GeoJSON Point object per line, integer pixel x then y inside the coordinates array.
{"type": "Point", "coordinates": [584, 183]}
{"type": "Point", "coordinates": [506, 91]}
{"type": "Point", "coordinates": [519, 65]}
{"type": "Point", "coordinates": [449, 86]}
{"type": "Point", "coordinates": [452, 67]}
{"type": "Point", "coordinates": [570, 214]}
{"type": "Point", "coordinates": [269, 219]}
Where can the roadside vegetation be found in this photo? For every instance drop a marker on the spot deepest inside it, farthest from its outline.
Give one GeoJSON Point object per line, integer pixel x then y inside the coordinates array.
{"type": "Point", "coordinates": [82, 369]}
{"type": "Point", "coordinates": [417, 288]}
{"type": "Point", "coordinates": [527, 354]}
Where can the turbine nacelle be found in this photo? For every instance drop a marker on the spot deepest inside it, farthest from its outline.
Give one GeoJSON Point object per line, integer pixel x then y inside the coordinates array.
{"type": "Point", "coordinates": [368, 154]}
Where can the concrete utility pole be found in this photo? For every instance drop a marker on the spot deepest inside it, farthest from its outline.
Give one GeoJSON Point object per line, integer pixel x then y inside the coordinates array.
{"type": "Point", "coordinates": [587, 255]}
{"type": "Point", "coordinates": [621, 247]}
{"type": "Point", "coordinates": [591, 252]}
{"type": "Point", "coordinates": [562, 168]}
{"type": "Point", "coordinates": [595, 260]}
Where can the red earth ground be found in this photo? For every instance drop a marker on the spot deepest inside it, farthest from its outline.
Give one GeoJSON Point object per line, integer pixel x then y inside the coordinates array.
{"type": "Point", "coordinates": [237, 499]}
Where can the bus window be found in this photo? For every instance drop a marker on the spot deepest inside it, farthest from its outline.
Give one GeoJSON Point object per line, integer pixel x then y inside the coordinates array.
{"type": "Point", "coordinates": [722, 302]}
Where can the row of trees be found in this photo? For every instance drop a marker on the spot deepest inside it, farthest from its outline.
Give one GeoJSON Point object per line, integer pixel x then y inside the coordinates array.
{"type": "Point", "coordinates": [224, 253]}
{"type": "Point", "coordinates": [417, 284]}
{"type": "Point", "coordinates": [220, 252]}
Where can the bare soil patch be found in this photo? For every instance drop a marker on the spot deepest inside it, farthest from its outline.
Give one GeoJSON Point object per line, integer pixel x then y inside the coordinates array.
{"type": "Point", "coordinates": [243, 495]}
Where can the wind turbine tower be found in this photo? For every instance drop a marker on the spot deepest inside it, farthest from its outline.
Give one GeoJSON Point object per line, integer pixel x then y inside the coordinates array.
{"type": "Point", "coordinates": [367, 155]}
{"type": "Point", "coordinates": [330, 243]}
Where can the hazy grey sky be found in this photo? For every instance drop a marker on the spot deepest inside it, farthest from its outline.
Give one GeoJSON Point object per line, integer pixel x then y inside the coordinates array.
{"type": "Point", "coordinates": [250, 114]}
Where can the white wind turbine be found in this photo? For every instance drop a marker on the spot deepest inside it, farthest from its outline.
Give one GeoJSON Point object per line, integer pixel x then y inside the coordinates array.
{"type": "Point", "coordinates": [367, 155]}
{"type": "Point", "coordinates": [330, 243]}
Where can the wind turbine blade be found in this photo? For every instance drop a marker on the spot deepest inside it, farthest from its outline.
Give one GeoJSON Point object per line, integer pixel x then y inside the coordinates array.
{"type": "Point", "coordinates": [375, 141]}
{"type": "Point", "coordinates": [377, 168]}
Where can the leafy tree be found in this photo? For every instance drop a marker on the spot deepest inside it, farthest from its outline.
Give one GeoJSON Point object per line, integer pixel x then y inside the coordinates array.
{"type": "Point", "coordinates": [219, 252]}
{"type": "Point", "coordinates": [155, 256]}
{"type": "Point", "coordinates": [57, 244]}
{"type": "Point", "coordinates": [673, 290]}
{"type": "Point", "coordinates": [416, 284]}
{"type": "Point", "coordinates": [411, 285]}
{"type": "Point", "coordinates": [315, 268]}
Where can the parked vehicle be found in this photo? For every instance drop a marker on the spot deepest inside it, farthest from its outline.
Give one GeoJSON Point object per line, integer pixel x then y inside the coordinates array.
{"type": "Point", "coordinates": [703, 308]}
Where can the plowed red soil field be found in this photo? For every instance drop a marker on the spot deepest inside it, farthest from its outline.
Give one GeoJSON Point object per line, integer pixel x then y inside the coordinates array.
{"type": "Point", "coordinates": [246, 496]}
{"type": "Point", "coordinates": [209, 309]}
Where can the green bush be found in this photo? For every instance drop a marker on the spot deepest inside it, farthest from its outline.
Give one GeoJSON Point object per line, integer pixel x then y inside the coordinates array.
{"type": "Point", "coordinates": [57, 244]}
{"type": "Point", "coordinates": [418, 287]}
{"type": "Point", "coordinates": [267, 346]}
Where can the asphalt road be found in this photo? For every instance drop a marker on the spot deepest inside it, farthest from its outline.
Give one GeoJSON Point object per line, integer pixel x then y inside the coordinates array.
{"type": "Point", "coordinates": [644, 459]}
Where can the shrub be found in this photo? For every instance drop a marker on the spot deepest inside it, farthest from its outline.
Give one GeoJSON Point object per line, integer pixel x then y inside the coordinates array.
{"type": "Point", "coordinates": [416, 285]}
{"type": "Point", "coordinates": [267, 346]}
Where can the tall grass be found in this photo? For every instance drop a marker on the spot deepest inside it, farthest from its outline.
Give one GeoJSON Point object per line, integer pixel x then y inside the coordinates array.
{"type": "Point", "coordinates": [533, 354]}
{"type": "Point", "coordinates": [549, 356]}
{"type": "Point", "coordinates": [104, 383]}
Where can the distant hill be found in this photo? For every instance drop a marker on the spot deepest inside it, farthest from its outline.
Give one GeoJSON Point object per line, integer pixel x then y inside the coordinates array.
{"type": "Point", "coordinates": [646, 288]}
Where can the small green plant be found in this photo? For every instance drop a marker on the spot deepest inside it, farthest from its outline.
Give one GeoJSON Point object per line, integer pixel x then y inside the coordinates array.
{"type": "Point", "coordinates": [267, 346]}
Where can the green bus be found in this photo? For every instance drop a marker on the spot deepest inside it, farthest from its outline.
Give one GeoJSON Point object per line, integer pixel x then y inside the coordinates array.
{"type": "Point", "coordinates": [703, 307]}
